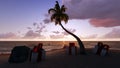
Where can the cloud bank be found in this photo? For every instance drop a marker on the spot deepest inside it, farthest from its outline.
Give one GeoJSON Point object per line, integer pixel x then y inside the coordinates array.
{"type": "Point", "coordinates": [56, 32]}
{"type": "Point", "coordinates": [8, 35]}
{"type": "Point", "coordinates": [102, 13]}
{"type": "Point", "coordinates": [57, 36]}
{"type": "Point", "coordinates": [31, 34]}
{"type": "Point", "coordinates": [115, 33]}
{"type": "Point", "coordinates": [71, 30]}
{"type": "Point", "coordinates": [35, 31]}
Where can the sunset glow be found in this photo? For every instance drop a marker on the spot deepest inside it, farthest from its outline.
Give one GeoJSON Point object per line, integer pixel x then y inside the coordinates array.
{"type": "Point", "coordinates": [28, 20]}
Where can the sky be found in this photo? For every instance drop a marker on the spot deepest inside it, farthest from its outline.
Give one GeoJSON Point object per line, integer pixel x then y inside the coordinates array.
{"type": "Point", "coordinates": [88, 19]}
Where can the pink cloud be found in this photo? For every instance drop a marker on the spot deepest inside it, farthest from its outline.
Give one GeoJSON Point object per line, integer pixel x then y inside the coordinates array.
{"type": "Point", "coordinates": [95, 9]}
{"type": "Point", "coordinates": [8, 35]}
{"type": "Point", "coordinates": [71, 30]}
{"type": "Point", "coordinates": [40, 29]}
{"type": "Point", "coordinates": [59, 35]}
{"type": "Point", "coordinates": [104, 22]}
{"type": "Point", "coordinates": [29, 28]}
{"type": "Point", "coordinates": [35, 24]}
{"type": "Point", "coordinates": [91, 36]}
{"type": "Point", "coordinates": [32, 34]}
{"type": "Point", "coordinates": [56, 36]}
{"type": "Point", "coordinates": [115, 33]}
{"type": "Point", "coordinates": [46, 21]}
{"type": "Point", "coordinates": [37, 27]}
{"type": "Point", "coordinates": [56, 32]}
{"type": "Point", "coordinates": [35, 31]}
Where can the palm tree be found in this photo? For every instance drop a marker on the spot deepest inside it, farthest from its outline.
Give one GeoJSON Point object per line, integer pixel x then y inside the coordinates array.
{"type": "Point", "coordinates": [58, 15]}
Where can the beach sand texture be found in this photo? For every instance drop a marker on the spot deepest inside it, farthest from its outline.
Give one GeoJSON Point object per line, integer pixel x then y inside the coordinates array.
{"type": "Point", "coordinates": [59, 59]}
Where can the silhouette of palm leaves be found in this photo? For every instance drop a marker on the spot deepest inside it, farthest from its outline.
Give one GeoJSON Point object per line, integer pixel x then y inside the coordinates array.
{"type": "Point", "coordinates": [58, 14]}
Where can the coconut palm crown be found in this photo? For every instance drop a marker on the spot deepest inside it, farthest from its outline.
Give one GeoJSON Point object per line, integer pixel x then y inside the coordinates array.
{"type": "Point", "coordinates": [58, 14]}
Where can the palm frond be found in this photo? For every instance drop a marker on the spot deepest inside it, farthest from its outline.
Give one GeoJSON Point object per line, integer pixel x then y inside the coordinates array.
{"type": "Point", "coordinates": [56, 22]}
{"type": "Point", "coordinates": [57, 7]}
{"type": "Point", "coordinates": [51, 10]}
{"type": "Point", "coordinates": [63, 8]}
{"type": "Point", "coordinates": [54, 16]}
{"type": "Point", "coordinates": [64, 17]}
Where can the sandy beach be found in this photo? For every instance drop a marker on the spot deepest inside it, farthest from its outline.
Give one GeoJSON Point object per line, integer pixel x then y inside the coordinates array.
{"type": "Point", "coordinates": [59, 59]}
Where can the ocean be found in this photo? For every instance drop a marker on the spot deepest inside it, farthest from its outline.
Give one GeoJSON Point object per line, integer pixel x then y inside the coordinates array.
{"type": "Point", "coordinates": [7, 46]}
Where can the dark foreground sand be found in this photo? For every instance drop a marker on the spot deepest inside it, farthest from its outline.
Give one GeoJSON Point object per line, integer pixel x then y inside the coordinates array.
{"type": "Point", "coordinates": [59, 59]}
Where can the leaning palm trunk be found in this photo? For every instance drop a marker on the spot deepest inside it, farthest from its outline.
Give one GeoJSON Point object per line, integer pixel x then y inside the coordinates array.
{"type": "Point", "coordinates": [82, 48]}
{"type": "Point", "coordinates": [60, 15]}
